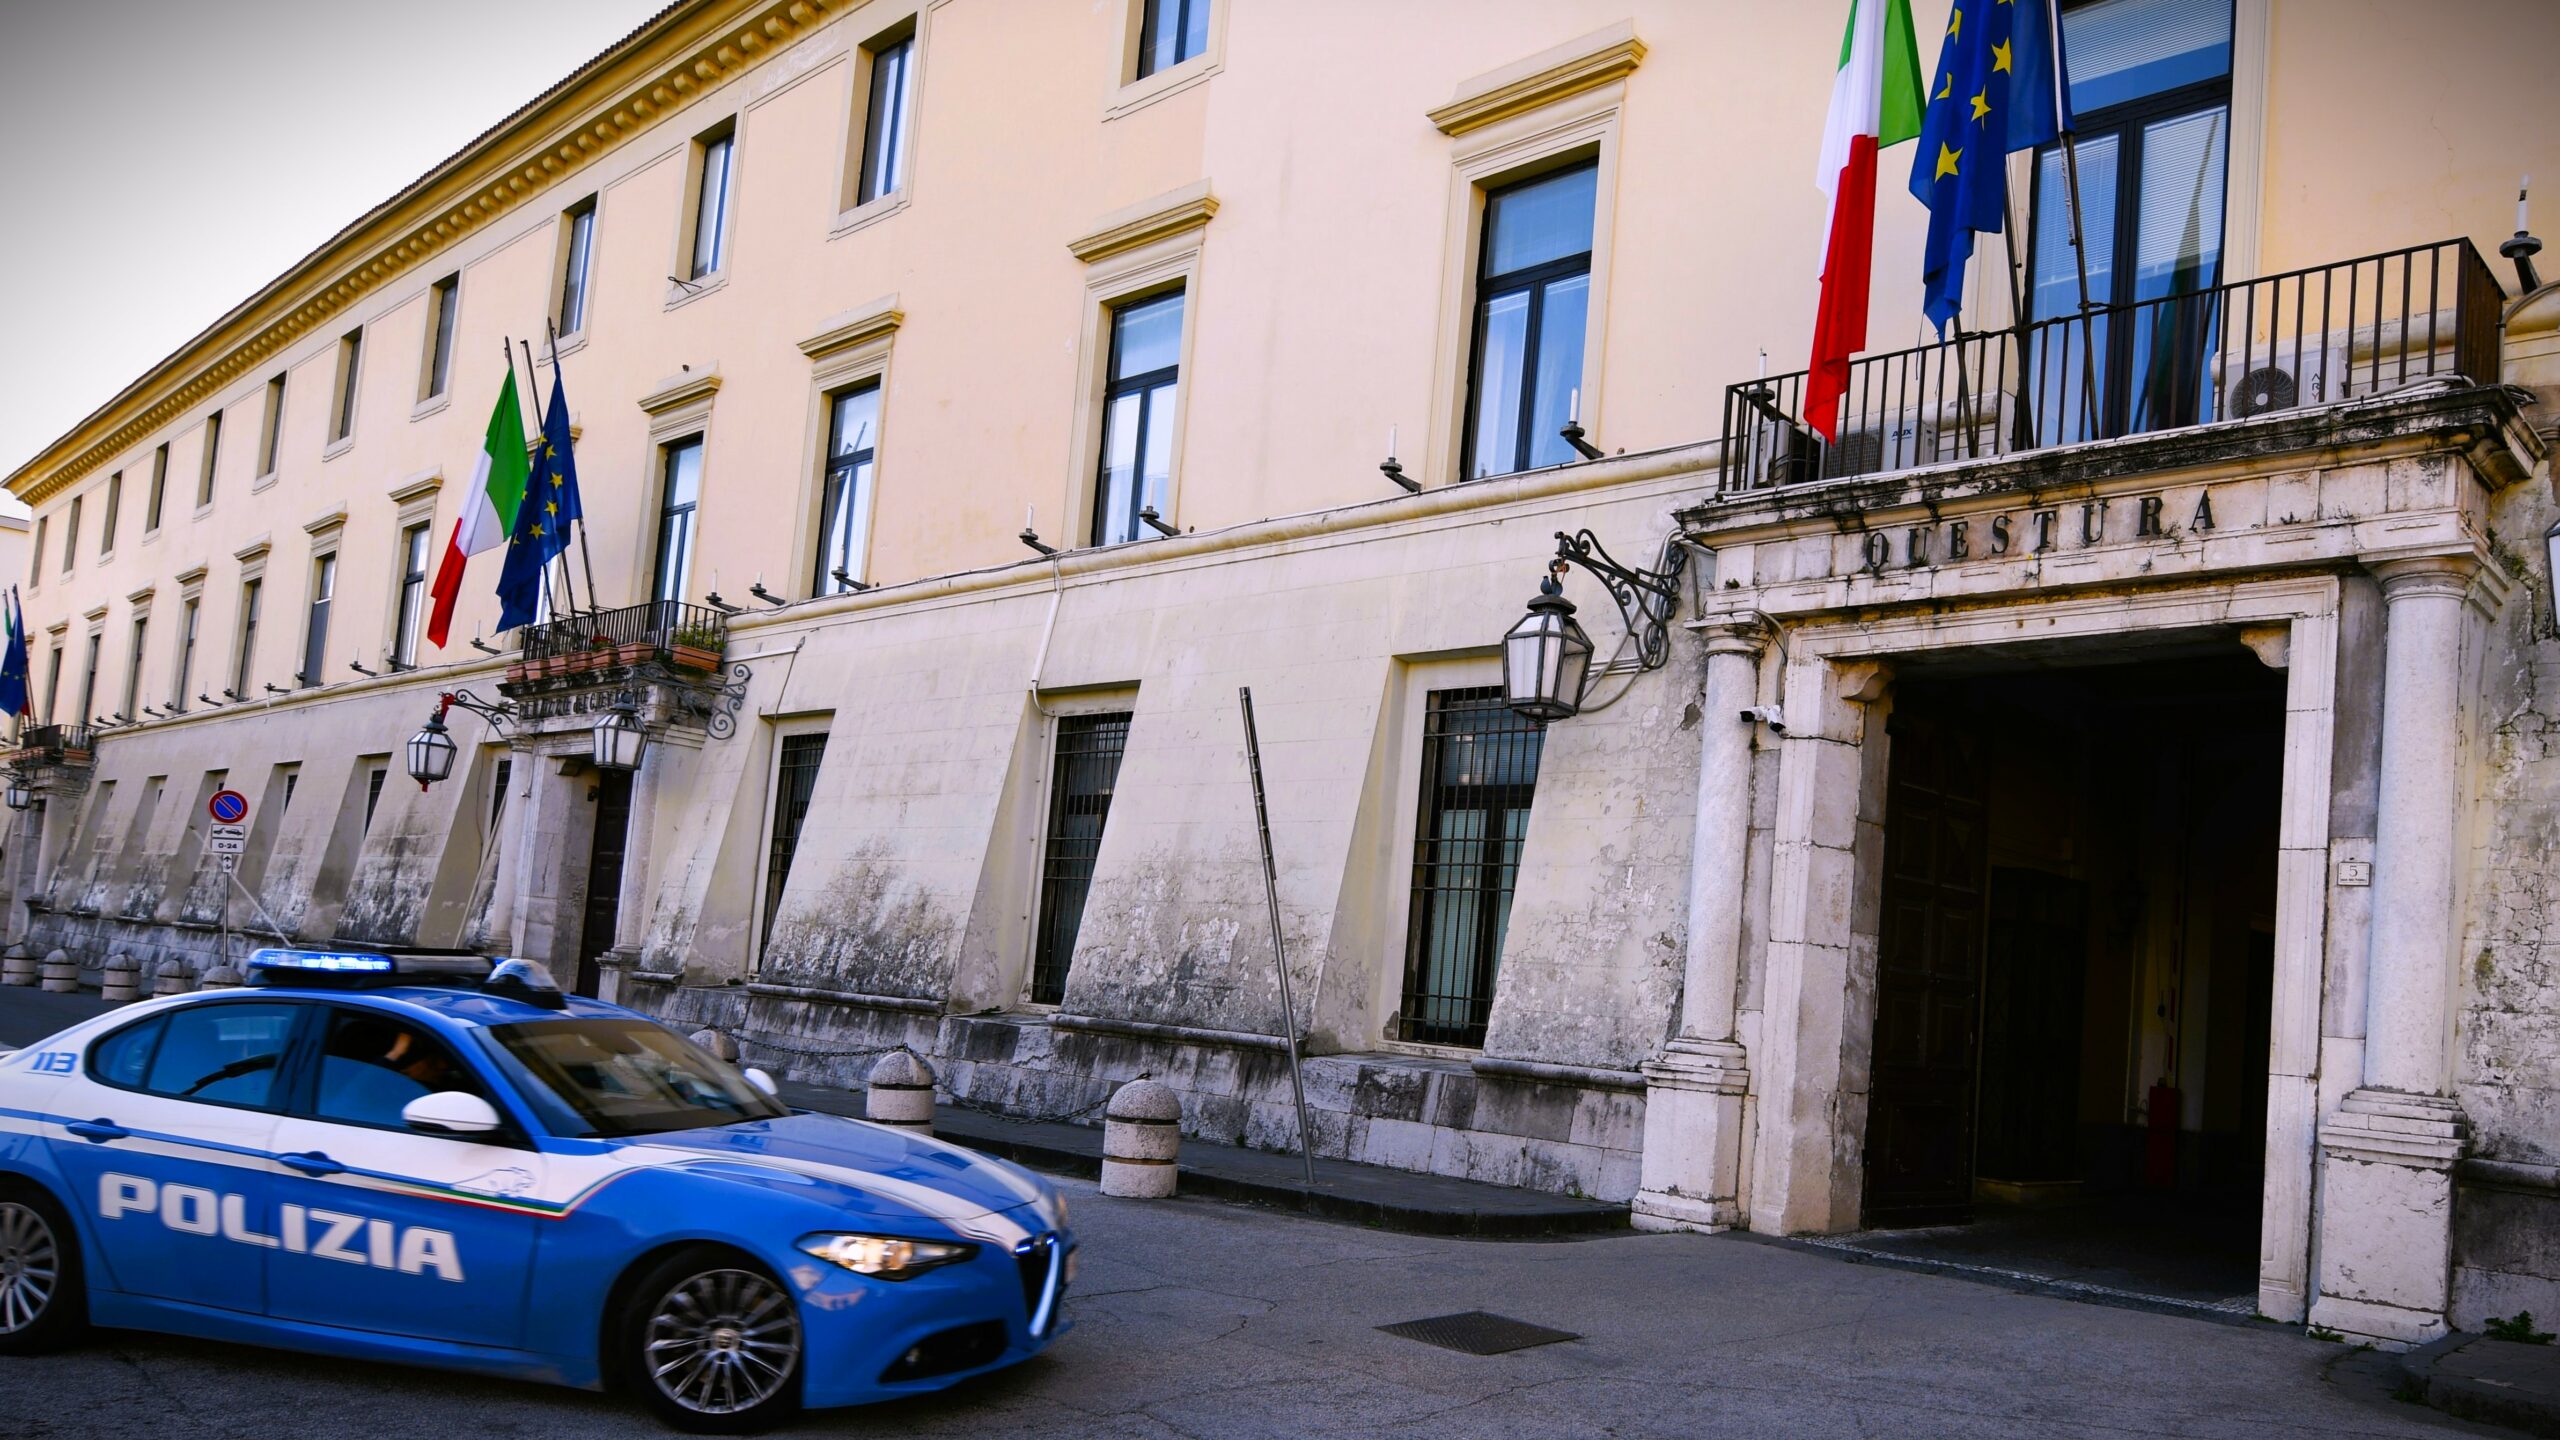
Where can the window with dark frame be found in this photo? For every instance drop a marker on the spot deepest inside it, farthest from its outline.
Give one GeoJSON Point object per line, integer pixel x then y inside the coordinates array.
{"type": "Point", "coordinates": [271, 428]}
{"type": "Point", "coordinates": [315, 634]}
{"type": "Point", "coordinates": [350, 373]}
{"type": "Point", "coordinates": [212, 449]}
{"type": "Point", "coordinates": [885, 122]}
{"type": "Point", "coordinates": [133, 666]}
{"type": "Point", "coordinates": [1479, 774]}
{"type": "Point", "coordinates": [71, 534]}
{"type": "Point", "coordinates": [1082, 773]}
{"type": "Point", "coordinates": [373, 793]}
{"type": "Point", "coordinates": [189, 613]}
{"type": "Point", "coordinates": [2150, 88]}
{"type": "Point", "coordinates": [795, 781]}
{"type": "Point", "coordinates": [413, 596]}
{"type": "Point", "coordinates": [679, 498]}
{"type": "Point", "coordinates": [444, 300]}
{"type": "Point", "coordinates": [35, 552]}
{"type": "Point", "coordinates": [711, 204]}
{"type": "Point", "coordinates": [115, 512]}
{"type": "Point", "coordinates": [844, 499]}
{"type": "Point", "coordinates": [53, 685]}
{"type": "Point", "coordinates": [248, 637]}
{"type": "Point", "coordinates": [1533, 303]}
{"type": "Point", "coordinates": [498, 791]}
{"type": "Point", "coordinates": [577, 253]}
{"type": "Point", "coordinates": [159, 488]}
{"type": "Point", "coordinates": [89, 681]}
{"type": "Point", "coordinates": [1141, 388]}
{"type": "Point", "coordinates": [1170, 32]}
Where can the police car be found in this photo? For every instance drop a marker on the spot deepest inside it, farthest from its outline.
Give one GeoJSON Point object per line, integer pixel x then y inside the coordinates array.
{"type": "Point", "coordinates": [443, 1160]}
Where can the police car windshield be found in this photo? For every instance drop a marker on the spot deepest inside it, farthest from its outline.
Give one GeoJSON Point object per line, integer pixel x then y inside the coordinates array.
{"type": "Point", "coordinates": [629, 1077]}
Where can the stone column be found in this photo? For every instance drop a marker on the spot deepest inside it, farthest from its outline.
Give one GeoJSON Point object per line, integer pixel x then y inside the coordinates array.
{"type": "Point", "coordinates": [2386, 1202]}
{"type": "Point", "coordinates": [541, 863]}
{"type": "Point", "coordinates": [631, 908]}
{"type": "Point", "coordinates": [1692, 1163]}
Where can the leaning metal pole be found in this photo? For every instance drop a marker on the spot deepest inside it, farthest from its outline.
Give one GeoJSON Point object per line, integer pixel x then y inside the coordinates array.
{"type": "Point", "coordinates": [1279, 955]}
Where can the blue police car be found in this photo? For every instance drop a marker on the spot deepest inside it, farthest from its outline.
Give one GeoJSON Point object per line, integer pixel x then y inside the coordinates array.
{"type": "Point", "coordinates": [443, 1160]}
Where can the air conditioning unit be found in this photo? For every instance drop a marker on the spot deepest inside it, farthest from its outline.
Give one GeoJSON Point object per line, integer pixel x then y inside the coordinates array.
{"type": "Point", "coordinates": [1903, 441]}
{"type": "Point", "coordinates": [2267, 378]}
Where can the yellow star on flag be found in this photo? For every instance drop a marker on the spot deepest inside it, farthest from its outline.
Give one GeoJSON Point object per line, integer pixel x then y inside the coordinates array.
{"type": "Point", "coordinates": [2000, 58]}
{"type": "Point", "coordinates": [1981, 103]}
{"type": "Point", "coordinates": [1947, 158]}
{"type": "Point", "coordinates": [1946, 87]}
{"type": "Point", "coordinates": [1955, 22]}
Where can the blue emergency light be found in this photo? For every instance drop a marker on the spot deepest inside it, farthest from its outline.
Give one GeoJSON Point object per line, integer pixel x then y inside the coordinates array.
{"type": "Point", "coordinates": [519, 979]}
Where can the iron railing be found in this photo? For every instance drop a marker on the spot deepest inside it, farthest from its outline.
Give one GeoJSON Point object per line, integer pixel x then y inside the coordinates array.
{"type": "Point", "coordinates": [51, 742]}
{"type": "Point", "coordinates": [2310, 337]}
{"type": "Point", "coordinates": [659, 624]}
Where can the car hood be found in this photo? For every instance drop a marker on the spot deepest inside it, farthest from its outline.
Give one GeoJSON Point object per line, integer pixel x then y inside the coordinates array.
{"type": "Point", "coordinates": [871, 1168]}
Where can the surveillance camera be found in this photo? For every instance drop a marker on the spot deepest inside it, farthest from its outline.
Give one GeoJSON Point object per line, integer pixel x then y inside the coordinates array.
{"type": "Point", "coordinates": [1769, 715]}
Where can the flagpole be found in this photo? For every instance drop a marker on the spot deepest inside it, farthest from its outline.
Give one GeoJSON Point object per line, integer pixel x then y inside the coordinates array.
{"type": "Point", "coordinates": [542, 576]}
{"type": "Point", "coordinates": [2079, 251]}
{"type": "Point", "coordinates": [543, 424]}
{"type": "Point", "coordinates": [586, 557]}
{"type": "Point", "coordinates": [2025, 434]}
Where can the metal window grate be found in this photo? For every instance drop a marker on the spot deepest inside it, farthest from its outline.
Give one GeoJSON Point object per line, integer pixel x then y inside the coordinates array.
{"type": "Point", "coordinates": [1081, 775]}
{"type": "Point", "coordinates": [795, 779]}
{"type": "Point", "coordinates": [1479, 770]}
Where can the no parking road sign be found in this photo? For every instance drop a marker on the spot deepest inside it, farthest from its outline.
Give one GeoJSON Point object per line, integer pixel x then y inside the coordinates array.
{"type": "Point", "coordinates": [227, 807]}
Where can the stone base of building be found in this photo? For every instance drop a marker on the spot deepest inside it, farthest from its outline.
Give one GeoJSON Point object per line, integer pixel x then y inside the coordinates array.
{"type": "Point", "coordinates": [2386, 1237]}
{"type": "Point", "coordinates": [1692, 1167]}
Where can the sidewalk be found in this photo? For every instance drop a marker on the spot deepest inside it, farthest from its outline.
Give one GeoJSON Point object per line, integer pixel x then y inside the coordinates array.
{"type": "Point", "coordinates": [2498, 1381]}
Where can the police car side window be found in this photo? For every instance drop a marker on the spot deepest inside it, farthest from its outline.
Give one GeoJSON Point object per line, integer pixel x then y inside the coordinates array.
{"type": "Point", "coordinates": [228, 1054]}
{"type": "Point", "coordinates": [374, 1064]}
{"type": "Point", "coordinates": [121, 1058]}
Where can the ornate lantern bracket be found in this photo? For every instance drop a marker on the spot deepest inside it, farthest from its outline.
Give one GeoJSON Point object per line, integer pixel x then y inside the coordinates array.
{"type": "Point", "coordinates": [1645, 598]}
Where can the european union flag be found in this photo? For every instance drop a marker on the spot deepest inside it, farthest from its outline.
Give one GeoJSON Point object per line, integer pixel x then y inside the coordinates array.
{"type": "Point", "coordinates": [542, 522]}
{"type": "Point", "coordinates": [1992, 92]}
{"type": "Point", "coordinates": [13, 661]}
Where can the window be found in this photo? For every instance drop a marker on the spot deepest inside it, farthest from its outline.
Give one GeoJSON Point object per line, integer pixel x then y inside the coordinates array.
{"type": "Point", "coordinates": [498, 791]}
{"type": "Point", "coordinates": [189, 612]}
{"type": "Point", "coordinates": [315, 634]}
{"type": "Point", "coordinates": [1533, 294]}
{"type": "Point", "coordinates": [2151, 102]}
{"type": "Point", "coordinates": [115, 512]}
{"type": "Point", "coordinates": [133, 668]}
{"type": "Point", "coordinates": [1479, 770]}
{"type": "Point", "coordinates": [373, 1064]}
{"type": "Point", "coordinates": [679, 496]}
{"type": "Point", "coordinates": [342, 414]}
{"type": "Point", "coordinates": [1170, 32]}
{"type": "Point", "coordinates": [248, 638]}
{"type": "Point", "coordinates": [443, 300]}
{"type": "Point", "coordinates": [711, 203]}
{"type": "Point", "coordinates": [577, 252]}
{"type": "Point", "coordinates": [35, 553]}
{"type": "Point", "coordinates": [885, 121]}
{"type": "Point", "coordinates": [271, 428]}
{"type": "Point", "coordinates": [373, 779]}
{"type": "Point", "coordinates": [292, 778]}
{"type": "Point", "coordinates": [1138, 396]}
{"type": "Point", "coordinates": [53, 684]}
{"type": "Point", "coordinates": [89, 681]}
{"type": "Point", "coordinates": [212, 449]}
{"type": "Point", "coordinates": [224, 1054]}
{"type": "Point", "coordinates": [413, 597]}
{"type": "Point", "coordinates": [844, 502]}
{"type": "Point", "coordinates": [71, 535]}
{"type": "Point", "coordinates": [1081, 774]}
{"type": "Point", "coordinates": [795, 780]}
{"type": "Point", "coordinates": [159, 489]}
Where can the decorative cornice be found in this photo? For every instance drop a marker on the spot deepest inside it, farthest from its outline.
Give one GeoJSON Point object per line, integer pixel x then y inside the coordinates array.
{"type": "Point", "coordinates": [140, 597]}
{"type": "Point", "coordinates": [418, 486]}
{"type": "Point", "coordinates": [1149, 220]}
{"type": "Point", "coordinates": [685, 50]}
{"type": "Point", "coordinates": [677, 391]}
{"type": "Point", "coordinates": [255, 550]}
{"type": "Point", "coordinates": [192, 575]}
{"type": "Point", "coordinates": [325, 521]}
{"type": "Point", "coordinates": [853, 327]}
{"type": "Point", "coordinates": [1542, 79]}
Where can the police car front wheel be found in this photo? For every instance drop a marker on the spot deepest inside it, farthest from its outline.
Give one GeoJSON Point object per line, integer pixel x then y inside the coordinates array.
{"type": "Point", "coordinates": [40, 1297]}
{"type": "Point", "coordinates": [712, 1343]}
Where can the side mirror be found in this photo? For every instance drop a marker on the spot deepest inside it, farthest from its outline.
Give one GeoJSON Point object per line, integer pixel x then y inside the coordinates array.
{"type": "Point", "coordinates": [450, 1112]}
{"type": "Point", "coordinates": [762, 1081]}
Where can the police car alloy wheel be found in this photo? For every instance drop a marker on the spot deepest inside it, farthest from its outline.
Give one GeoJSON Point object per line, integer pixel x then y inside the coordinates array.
{"type": "Point", "coordinates": [719, 1345]}
{"type": "Point", "coordinates": [39, 1276]}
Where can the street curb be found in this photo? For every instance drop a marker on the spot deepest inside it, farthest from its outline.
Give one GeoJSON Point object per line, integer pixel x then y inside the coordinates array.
{"type": "Point", "coordinates": [2473, 1399]}
{"type": "Point", "coordinates": [2011, 1280]}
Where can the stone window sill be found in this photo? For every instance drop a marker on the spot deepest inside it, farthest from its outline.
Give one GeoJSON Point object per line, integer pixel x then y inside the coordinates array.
{"type": "Point", "coordinates": [431, 405]}
{"type": "Point", "coordinates": [869, 213]}
{"type": "Point", "coordinates": [338, 447]}
{"type": "Point", "coordinates": [683, 293]}
{"type": "Point", "coordinates": [1139, 94]}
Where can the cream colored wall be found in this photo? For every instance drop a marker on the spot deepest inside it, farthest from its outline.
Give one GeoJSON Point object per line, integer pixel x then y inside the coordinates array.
{"type": "Point", "coordinates": [1321, 313]}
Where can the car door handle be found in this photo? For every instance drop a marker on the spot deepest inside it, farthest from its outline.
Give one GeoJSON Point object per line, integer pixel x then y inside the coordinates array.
{"type": "Point", "coordinates": [97, 1131]}
{"type": "Point", "coordinates": [312, 1162]}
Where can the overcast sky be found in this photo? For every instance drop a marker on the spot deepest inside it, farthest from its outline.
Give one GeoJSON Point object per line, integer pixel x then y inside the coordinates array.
{"type": "Point", "coordinates": [167, 157]}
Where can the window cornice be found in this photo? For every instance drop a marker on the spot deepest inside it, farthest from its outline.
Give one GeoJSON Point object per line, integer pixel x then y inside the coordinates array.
{"type": "Point", "coordinates": [1146, 222]}
{"type": "Point", "coordinates": [1593, 60]}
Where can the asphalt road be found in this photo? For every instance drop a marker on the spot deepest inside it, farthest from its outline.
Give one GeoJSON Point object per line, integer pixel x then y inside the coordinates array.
{"type": "Point", "coordinates": [1199, 1319]}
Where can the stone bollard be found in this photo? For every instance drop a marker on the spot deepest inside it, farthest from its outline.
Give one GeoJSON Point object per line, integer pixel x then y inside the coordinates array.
{"type": "Point", "coordinates": [224, 976]}
{"type": "Point", "coordinates": [720, 1044]}
{"type": "Point", "coordinates": [61, 972]}
{"type": "Point", "coordinates": [120, 979]}
{"type": "Point", "coordinates": [17, 967]}
{"type": "Point", "coordinates": [901, 1092]}
{"type": "Point", "coordinates": [173, 977]}
{"type": "Point", "coordinates": [1141, 1135]}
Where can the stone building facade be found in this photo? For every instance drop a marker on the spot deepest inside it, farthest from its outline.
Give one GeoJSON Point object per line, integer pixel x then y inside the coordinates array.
{"type": "Point", "coordinates": [2161, 784]}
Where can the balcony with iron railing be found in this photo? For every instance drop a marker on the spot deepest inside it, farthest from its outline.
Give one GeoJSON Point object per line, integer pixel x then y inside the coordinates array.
{"type": "Point", "coordinates": [2322, 336]}
{"type": "Point", "coordinates": [41, 746]}
{"type": "Point", "coordinates": [693, 636]}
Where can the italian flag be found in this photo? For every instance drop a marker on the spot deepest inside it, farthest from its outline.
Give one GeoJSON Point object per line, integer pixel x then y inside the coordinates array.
{"type": "Point", "coordinates": [1875, 104]}
{"type": "Point", "coordinates": [489, 506]}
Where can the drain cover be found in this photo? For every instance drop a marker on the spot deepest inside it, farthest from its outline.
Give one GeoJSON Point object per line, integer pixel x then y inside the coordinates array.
{"type": "Point", "coordinates": [1477, 1332]}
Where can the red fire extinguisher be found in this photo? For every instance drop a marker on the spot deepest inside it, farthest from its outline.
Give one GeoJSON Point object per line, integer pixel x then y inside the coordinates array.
{"type": "Point", "coordinates": [2160, 1151]}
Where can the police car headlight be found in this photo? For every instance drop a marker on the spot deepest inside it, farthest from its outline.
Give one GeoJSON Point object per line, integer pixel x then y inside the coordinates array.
{"type": "Point", "coordinates": [885, 1257]}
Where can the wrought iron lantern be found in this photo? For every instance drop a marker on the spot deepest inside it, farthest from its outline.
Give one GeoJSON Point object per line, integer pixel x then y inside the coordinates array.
{"type": "Point", "coordinates": [431, 751]}
{"type": "Point", "coordinates": [19, 796]}
{"type": "Point", "coordinates": [619, 740]}
{"type": "Point", "coordinates": [1546, 657]}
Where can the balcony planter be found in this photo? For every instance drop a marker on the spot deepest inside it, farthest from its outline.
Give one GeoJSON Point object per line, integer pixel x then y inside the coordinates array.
{"type": "Point", "coordinates": [518, 673]}
{"type": "Point", "coordinates": [634, 652]}
{"type": "Point", "coordinates": [693, 657]}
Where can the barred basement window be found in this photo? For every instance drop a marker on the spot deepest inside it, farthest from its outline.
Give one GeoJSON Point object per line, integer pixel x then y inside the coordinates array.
{"type": "Point", "coordinates": [1081, 777]}
{"type": "Point", "coordinates": [1479, 771]}
{"type": "Point", "coordinates": [373, 793]}
{"type": "Point", "coordinates": [795, 780]}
